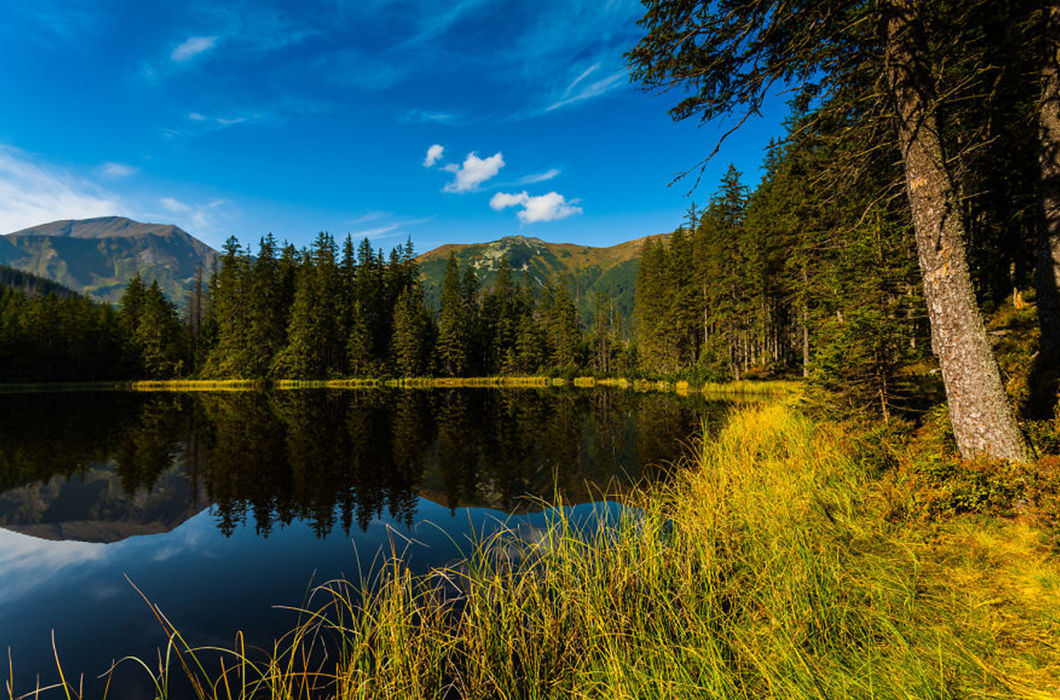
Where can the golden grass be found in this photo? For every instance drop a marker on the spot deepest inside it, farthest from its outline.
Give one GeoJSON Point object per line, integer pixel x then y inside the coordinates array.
{"type": "Point", "coordinates": [196, 385]}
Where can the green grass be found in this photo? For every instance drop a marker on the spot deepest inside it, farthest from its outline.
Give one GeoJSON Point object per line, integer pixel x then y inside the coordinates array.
{"type": "Point", "coordinates": [773, 567]}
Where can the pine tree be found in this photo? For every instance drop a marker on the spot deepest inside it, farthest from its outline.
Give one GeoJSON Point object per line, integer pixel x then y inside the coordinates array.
{"type": "Point", "coordinates": [131, 307]}
{"type": "Point", "coordinates": [158, 335]}
{"type": "Point", "coordinates": [229, 357]}
{"type": "Point", "coordinates": [453, 327]}
{"type": "Point", "coordinates": [411, 341]}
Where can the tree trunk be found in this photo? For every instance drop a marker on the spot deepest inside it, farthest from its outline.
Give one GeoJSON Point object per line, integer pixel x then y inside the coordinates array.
{"type": "Point", "coordinates": [983, 421]}
{"type": "Point", "coordinates": [1048, 274]}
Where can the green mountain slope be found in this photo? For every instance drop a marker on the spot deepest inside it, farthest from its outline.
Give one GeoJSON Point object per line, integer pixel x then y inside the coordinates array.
{"type": "Point", "coordinates": [99, 256]}
{"type": "Point", "coordinates": [585, 269]}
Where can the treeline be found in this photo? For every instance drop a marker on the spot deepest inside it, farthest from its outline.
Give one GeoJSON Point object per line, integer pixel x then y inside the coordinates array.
{"type": "Point", "coordinates": [50, 333]}
{"type": "Point", "coordinates": [57, 337]}
{"type": "Point", "coordinates": [788, 280]}
{"type": "Point", "coordinates": [321, 313]}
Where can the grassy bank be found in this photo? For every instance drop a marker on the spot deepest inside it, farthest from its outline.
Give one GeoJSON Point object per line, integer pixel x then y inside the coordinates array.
{"type": "Point", "coordinates": [768, 389]}
{"type": "Point", "coordinates": [794, 560]}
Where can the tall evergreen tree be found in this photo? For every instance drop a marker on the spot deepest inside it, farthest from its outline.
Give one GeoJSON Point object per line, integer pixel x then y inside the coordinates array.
{"type": "Point", "coordinates": [453, 328]}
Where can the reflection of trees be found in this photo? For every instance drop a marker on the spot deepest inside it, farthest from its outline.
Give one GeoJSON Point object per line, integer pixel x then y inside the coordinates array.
{"type": "Point", "coordinates": [150, 442]}
{"type": "Point", "coordinates": [667, 426]}
{"type": "Point", "coordinates": [339, 458]}
{"type": "Point", "coordinates": [457, 445]}
{"type": "Point", "coordinates": [49, 435]}
{"type": "Point", "coordinates": [241, 458]}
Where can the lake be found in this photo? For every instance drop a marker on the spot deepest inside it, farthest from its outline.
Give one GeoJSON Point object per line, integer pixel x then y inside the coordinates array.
{"type": "Point", "coordinates": [222, 506]}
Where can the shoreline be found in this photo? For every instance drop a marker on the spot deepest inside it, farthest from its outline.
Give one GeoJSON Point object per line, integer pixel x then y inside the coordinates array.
{"type": "Point", "coordinates": [771, 388]}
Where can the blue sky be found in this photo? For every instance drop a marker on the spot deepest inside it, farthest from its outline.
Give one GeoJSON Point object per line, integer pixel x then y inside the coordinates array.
{"type": "Point", "coordinates": [244, 118]}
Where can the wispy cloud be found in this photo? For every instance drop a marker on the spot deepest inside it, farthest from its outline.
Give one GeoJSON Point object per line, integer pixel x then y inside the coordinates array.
{"type": "Point", "coordinates": [377, 232]}
{"type": "Point", "coordinates": [369, 216]}
{"type": "Point", "coordinates": [533, 178]}
{"type": "Point", "coordinates": [192, 47]}
{"type": "Point", "coordinates": [32, 193]}
{"type": "Point", "coordinates": [414, 116]}
{"type": "Point", "coordinates": [590, 90]}
{"type": "Point", "coordinates": [546, 207]}
{"type": "Point", "coordinates": [116, 171]}
{"type": "Point", "coordinates": [198, 217]}
{"type": "Point", "coordinates": [174, 205]}
{"type": "Point", "coordinates": [390, 230]}
{"type": "Point", "coordinates": [582, 76]}
{"type": "Point", "coordinates": [473, 172]}
{"type": "Point", "coordinates": [434, 154]}
{"type": "Point", "coordinates": [222, 121]}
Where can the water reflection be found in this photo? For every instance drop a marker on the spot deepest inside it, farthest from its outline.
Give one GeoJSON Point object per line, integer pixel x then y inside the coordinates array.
{"type": "Point", "coordinates": [222, 506]}
{"type": "Point", "coordinates": [145, 463]}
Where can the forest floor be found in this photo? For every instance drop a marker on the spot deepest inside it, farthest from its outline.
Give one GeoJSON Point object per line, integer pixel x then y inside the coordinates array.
{"type": "Point", "coordinates": [796, 556]}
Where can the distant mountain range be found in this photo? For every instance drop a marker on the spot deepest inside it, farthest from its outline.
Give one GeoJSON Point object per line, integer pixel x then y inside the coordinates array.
{"type": "Point", "coordinates": [533, 261]}
{"type": "Point", "coordinates": [99, 256]}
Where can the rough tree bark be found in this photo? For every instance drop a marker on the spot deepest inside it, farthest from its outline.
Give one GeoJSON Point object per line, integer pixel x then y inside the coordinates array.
{"type": "Point", "coordinates": [1048, 273]}
{"type": "Point", "coordinates": [983, 421]}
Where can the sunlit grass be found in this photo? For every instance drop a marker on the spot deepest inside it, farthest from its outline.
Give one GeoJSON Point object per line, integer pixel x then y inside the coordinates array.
{"type": "Point", "coordinates": [766, 569]}
{"type": "Point", "coordinates": [195, 385]}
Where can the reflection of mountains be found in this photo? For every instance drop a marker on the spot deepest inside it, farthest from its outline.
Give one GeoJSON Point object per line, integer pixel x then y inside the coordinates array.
{"type": "Point", "coordinates": [94, 507]}
{"type": "Point", "coordinates": [328, 458]}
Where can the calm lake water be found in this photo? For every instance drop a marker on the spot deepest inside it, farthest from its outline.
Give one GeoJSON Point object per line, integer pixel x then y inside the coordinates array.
{"type": "Point", "coordinates": [222, 506]}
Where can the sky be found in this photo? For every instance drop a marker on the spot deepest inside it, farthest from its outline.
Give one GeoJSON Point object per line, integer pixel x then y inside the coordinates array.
{"type": "Point", "coordinates": [447, 121]}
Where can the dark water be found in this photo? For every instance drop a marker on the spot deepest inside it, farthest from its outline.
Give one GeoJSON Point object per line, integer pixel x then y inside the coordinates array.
{"type": "Point", "coordinates": [221, 506]}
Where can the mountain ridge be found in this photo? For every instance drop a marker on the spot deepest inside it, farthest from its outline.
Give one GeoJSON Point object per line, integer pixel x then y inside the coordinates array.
{"type": "Point", "coordinates": [585, 269]}
{"type": "Point", "coordinates": [99, 256]}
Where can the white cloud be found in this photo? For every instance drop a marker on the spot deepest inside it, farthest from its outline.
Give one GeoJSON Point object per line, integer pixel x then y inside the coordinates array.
{"type": "Point", "coordinates": [434, 153]}
{"type": "Point", "coordinates": [502, 200]}
{"type": "Point", "coordinates": [32, 193]}
{"type": "Point", "coordinates": [547, 207]}
{"type": "Point", "coordinates": [192, 47]}
{"type": "Point", "coordinates": [473, 172]}
{"type": "Point", "coordinates": [116, 171]}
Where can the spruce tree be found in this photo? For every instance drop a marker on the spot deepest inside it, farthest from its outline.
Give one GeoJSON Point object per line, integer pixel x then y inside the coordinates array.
{"type": "Point", "coordinates": [453, 327]}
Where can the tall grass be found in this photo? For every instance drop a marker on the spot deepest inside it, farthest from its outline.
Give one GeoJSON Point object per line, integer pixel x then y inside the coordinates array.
{"type": "Point", "coordinates": [766, 569]}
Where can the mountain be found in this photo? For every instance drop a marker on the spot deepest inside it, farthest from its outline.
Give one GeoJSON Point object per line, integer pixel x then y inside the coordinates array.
{"type": "Point", "coordinates": [585, 268]}
{"type": "Point", "coordinates": [99, 256]}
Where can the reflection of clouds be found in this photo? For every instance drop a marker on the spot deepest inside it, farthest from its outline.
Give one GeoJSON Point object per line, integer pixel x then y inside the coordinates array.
{"type": "Point", "coordinates": [27, 562]}
{"type": "Point", "coordinates": [102, 592]}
